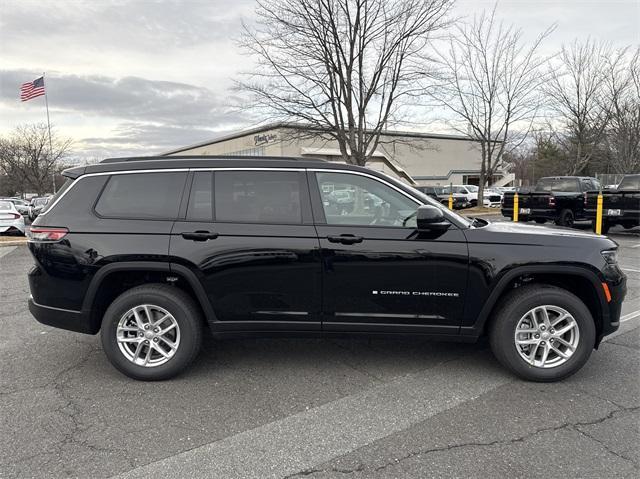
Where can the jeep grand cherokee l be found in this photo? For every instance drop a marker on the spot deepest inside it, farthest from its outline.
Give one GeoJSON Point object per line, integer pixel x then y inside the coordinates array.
{"type": "Point", "coordinates": [150, 251]}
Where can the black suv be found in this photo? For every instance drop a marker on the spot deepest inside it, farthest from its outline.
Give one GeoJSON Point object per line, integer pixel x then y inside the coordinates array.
{"type": "Point", "coordinates": [149, 251]}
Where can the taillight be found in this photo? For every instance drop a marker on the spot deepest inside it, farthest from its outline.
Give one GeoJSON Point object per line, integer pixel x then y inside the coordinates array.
{"type": "Point", "coordinates": [42, 233]}
{"type": "Point", "coordinates": [16, 216]}
{"type": "Point", "coordinates": [552, 201]}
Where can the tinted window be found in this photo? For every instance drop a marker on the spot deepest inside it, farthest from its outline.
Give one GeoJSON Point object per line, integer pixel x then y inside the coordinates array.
{"type": "Point", "coordinates": [369, 202]}
{"type": "Point", "coordinates": [257, 197]}
{"type": "Point", "coordinates": [142, 195]}
{"type": "Point", "coordinates": [200, 199]}
{"type": "Point", "coordinates": [5, 206]}
{"type": "Point", "coordinates": [557, 184]}
{"type": "Point", "coordinates": [630, 183]}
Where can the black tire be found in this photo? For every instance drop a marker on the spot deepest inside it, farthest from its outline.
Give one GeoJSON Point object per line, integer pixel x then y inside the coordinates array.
{"type": "Point", "coordinates": [541, 221]}
{"type": "Point", "coordinates": [565, 218]}
{"type": "Point", "coordinates": [182, 308]}
{"type": "Point", "coordinates": [514, 306]}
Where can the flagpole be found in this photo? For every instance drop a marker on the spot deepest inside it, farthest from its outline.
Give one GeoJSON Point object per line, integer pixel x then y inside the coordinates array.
{"type": "Point", "coordinates": [46, 102]}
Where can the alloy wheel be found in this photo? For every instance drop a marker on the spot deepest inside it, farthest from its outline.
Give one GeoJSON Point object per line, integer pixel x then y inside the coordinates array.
{"type": "Point", "coordinates": [148, 335]}
{"type": "Point", "coordinates": [547, 336]}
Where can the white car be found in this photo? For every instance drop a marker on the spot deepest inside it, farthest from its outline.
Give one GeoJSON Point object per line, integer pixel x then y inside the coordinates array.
{"type": "Point", "coordinates": [470, 192]}
{"type": "Point", "coordinates": [11, 221]}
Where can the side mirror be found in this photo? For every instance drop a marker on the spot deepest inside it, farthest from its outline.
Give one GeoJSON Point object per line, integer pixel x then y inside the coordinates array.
{"type": "Point", "coordinates": [431, 218]}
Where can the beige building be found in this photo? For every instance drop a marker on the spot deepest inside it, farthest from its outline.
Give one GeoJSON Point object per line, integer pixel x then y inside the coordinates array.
{"type": "Point", "coordinates": [417, 158]}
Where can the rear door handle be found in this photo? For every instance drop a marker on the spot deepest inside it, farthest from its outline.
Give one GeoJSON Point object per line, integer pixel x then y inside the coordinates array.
{"type": "Point", "coordinates": [199, 235]}
{"type": "Point", "coordinates": [345, 239]}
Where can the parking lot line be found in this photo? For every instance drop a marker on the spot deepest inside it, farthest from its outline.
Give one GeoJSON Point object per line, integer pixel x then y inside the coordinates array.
{"type": "Point", "coordinates": [631, 269]}
{"type": "Point", "coordinates": [301, 441]}
{"type": "Point", "coordinates": [629, 316]}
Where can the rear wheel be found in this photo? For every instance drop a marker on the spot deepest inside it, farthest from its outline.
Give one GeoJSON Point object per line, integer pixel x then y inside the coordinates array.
{"type": "Point", "coordinates": [565, 218]}
{"type": "Point", "coordinates": [542, 333]}
{"type": "Point", "coordinates": [152, 332]}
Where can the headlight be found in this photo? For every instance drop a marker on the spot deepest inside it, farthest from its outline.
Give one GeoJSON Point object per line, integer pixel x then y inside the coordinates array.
{"type": "Point", "coordinates": [610, 256]}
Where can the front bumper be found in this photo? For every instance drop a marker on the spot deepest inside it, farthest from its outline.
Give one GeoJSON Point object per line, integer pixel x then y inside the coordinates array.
{"type": "Point", "coordinates": [61, 318]}
{"type": "Point", "coordinates": [617, 284]}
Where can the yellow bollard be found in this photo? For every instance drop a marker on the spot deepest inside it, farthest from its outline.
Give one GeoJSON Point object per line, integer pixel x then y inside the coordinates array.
{"type": "Point", "coordinates": [451, 200]}
{"type": "Point", "coordinates": [515, 207]}
{"type": "Point", "coordinates": [599, 214]}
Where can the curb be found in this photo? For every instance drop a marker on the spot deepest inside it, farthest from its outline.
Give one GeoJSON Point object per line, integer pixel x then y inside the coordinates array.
{"type": "Point", "coordinates": [13, 243]}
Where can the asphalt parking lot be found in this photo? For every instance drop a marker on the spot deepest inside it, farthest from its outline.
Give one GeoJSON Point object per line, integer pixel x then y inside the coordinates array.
{"type": "Point", "coordinates": [312, 408]}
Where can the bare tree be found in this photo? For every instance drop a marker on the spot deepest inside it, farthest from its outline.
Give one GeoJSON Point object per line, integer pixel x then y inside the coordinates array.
{"type": "Point", "coordinates": [341, 67]}
{"type": "Point", "coordinates": [622, 97]}
{"type": "Point", "coordinates": [27, 159]}
{"type": "Point", "coordinates": [491, 78]}
{"type": "Point", "coordinates": [576, 92]}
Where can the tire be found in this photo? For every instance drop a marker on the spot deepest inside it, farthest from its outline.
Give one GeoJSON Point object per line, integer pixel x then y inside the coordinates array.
{"type": "Point", "coordinates": [541, 221]}
{"type": "Point", "coordinates": [515, 307]}
{"type": "Point", "coordinates": [565, 218]}
{"type": "Point", "coordinates": [186, 335]}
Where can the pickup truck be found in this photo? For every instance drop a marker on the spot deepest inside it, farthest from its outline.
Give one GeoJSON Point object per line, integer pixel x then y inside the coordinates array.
{"type": "Point", "coordinates": [437, 193]}
{"type": "Point", "coordinates": [620, 205]}
{"type": "Point", "coordinates": [558, 198]}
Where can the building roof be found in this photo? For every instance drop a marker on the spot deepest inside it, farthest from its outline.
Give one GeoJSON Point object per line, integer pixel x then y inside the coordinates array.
{"type": "Point", "coordinates": [281, 125]}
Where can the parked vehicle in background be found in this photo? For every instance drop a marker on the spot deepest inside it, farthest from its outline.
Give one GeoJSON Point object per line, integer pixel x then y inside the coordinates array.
{"type": "Point", "coordinates": [21, 205]}
{"type": "Point", "coordinates": [559, 198]}
{"type": "Point", "coordinates": [470, 192]}
{"type": "Point", "coordinates": [11, 220]}
{"type": "Point", "coordinates": [37, 205]}
{"type": "Point", "coordinates": [438, 193]}
{"type": "Point", "coordinates": [149, 253]}
{"type": "Point", "coordinates": [620, 205]}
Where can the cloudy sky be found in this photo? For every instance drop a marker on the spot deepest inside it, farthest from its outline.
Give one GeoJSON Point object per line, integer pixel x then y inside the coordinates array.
{"type": "Point", "coordinates": [145, 76]}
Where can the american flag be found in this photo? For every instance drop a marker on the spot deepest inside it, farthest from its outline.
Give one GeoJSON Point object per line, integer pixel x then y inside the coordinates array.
{"type": "Point", "coordinates": [32, 89]}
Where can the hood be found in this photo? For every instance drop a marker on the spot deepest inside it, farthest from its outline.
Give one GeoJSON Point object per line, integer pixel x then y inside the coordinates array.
{"type": "Point", "coordinates": [538, 235]}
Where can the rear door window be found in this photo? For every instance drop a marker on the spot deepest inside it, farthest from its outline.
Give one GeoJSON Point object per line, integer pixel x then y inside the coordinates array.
{"type": "Point", "coordinates": [201, 198]}
{"type": "Point", "coordinates": [142, 195]}
{"type": "Point", "coordinates": [270, 197]}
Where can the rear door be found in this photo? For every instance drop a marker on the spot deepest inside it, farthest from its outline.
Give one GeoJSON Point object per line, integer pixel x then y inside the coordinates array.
{"type": "Point", "coordinates": [378, 274]}
{"type": "Point", "coordinates": [249, 237]}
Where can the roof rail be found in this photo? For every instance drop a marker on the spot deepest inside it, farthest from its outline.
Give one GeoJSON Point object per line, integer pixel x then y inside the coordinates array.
{"type": "Point", "coordinates": [208, 157]}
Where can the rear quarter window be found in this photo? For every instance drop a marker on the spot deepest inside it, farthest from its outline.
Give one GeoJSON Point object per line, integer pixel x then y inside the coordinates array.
{"type": "Point", "coordinates": [142, 195]}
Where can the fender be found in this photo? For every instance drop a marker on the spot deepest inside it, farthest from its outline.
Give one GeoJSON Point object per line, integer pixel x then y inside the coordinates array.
{"type": "Point", "coordinates": [508, 277]}
{"type": "Point", "coordinates": [169, 268]}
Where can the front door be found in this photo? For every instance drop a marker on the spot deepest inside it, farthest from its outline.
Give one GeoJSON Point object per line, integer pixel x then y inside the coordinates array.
{"type": "Point", "coordinates": [249, 236]}
{"type": "Point", "coordinates": [379, 273]}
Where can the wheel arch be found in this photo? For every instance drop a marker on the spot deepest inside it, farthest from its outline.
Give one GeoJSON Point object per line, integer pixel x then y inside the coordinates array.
{"type": "Point", "coordinates": [113, 279]}
{"type": "Point", "coordinates": [581, 281]}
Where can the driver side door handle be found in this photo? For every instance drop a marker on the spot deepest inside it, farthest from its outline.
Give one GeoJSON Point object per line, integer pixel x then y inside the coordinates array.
{"type": "Point", "coordinates": [345, 239]}
{"type": "Point", "coordinates": [199, 235]}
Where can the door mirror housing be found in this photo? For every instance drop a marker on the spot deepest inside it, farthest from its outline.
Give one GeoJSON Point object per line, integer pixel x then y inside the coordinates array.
{"type": "Point", "coordinates": [431, 218]}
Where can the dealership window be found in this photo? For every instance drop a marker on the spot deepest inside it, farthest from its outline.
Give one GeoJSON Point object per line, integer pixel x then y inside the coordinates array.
{"type": "Point", "coordinates": [142, 195]}
{"type": "Point", "coordinates": [257, 197]}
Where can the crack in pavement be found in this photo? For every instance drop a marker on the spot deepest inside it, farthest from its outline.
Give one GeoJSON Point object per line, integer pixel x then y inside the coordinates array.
{"type": "Point", "coordinates": [567, 425]}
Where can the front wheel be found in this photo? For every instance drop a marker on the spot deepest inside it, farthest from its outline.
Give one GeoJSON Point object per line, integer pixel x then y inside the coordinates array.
{"type": "Point", "coordinates": [152, 332]}
{"type": "Point", "coordinates": [542, 333]}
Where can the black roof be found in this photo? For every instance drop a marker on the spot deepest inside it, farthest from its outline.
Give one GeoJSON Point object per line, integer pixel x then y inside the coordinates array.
{"type": "Point", "coordinates": [199, 161]}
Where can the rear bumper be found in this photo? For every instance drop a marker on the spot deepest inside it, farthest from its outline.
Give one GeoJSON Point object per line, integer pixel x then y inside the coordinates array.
{"type": "Point", "coordinates": [626, 216]}
{"type": "Point", "coordinates": [61, 318]}
{"type": "Point", "coordinates": [533, 213]}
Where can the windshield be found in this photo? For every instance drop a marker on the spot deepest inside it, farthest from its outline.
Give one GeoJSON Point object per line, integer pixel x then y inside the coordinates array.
{"type": "Point", "coordinates": [51, 200]}
{"type": "Point", "coordinates": [5, 206]}
{"type": "Point", "coordinates": [472, 188]}
{"type": "Point", "coordinates": [630, 182]}
{"type": "Point", "coordinates": [558, 184]}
